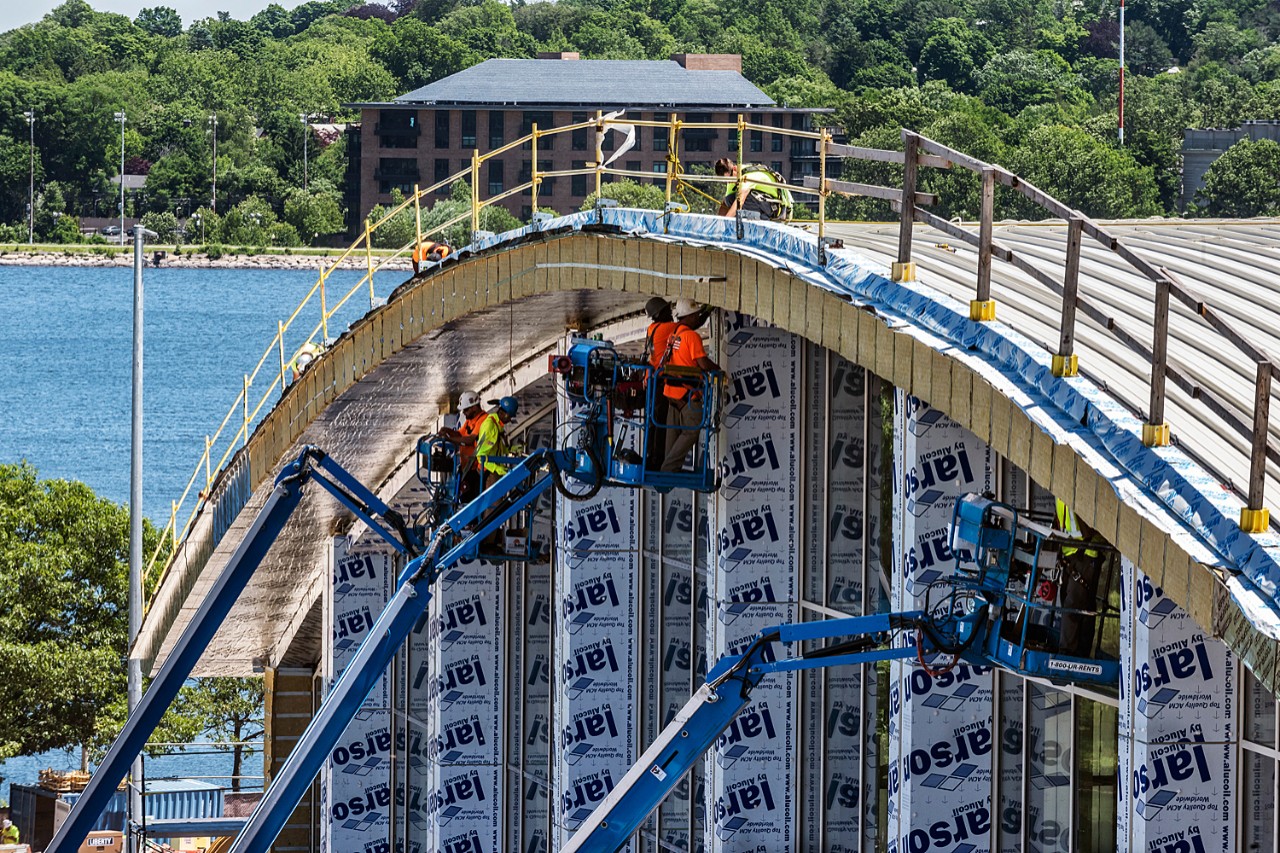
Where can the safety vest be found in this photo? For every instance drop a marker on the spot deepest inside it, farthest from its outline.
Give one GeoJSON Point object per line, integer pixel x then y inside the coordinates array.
{"type": "Point", "coordinates": [491, 440]}
{"type": "Point", "coordinates": [307, 353]}
{"type": "Point", "coordinates": [1067, 524]}
{"type": "Point", "coordinates": [766, 182]}
{"type": "Point", "coordinates": [423, 251]}
{"type": "Point", "coordinates": [10, 835]}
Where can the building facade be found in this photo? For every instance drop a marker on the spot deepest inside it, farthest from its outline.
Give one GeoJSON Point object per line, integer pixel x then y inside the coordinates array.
{"type": "Point", "coordinates": [1200, 148]}
{"type": "Point", "coordinates": [427, 135]}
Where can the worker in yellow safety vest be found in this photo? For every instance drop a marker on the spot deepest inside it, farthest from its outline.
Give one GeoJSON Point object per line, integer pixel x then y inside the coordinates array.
{"type": "Point", "coordinates": [8, 833]}
{"type": "Point", "coordinates": [491, 440]}
{"type": "Point", "coordinates": [1080, 567]}
{"type": "Point", "coordinates": [306, 354]}
{"type": "Point", "coordinates": [757, 189]}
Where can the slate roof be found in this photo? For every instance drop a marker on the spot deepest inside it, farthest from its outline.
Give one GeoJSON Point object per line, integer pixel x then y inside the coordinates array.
{"type": "Point", "coordinates": [589, 82]}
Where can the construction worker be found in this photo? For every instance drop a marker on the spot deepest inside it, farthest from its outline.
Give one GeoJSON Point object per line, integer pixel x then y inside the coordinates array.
{"type": "Point", "coordinates": [1079, 570]}
{"type": "Point", "coordinates": [429, 252]}
{"type": "Point", "coordinates": [757, 189]}
{"type": "Point", "coordinates": [656, 350]}
{"type": "Point", "coordinates": [8, 832]}
{"type": "Point", "coordinates": [465, 437]}
{"type": "Point", "coordinates": [491, 438]}
{"type": "Point", "coordinates": [684, 403]}
{"type": "Point", "coordinates": [306, 354]}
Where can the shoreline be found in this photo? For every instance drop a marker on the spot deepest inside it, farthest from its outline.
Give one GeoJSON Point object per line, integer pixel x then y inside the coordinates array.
{"type": "Point", "coordinates": [189, 260]}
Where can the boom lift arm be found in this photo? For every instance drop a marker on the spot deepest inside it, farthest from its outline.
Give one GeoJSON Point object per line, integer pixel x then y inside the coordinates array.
{"type": "Point", "coordinates": [312, 465]}
{"type": "Point", "coordinates": [984, 617]}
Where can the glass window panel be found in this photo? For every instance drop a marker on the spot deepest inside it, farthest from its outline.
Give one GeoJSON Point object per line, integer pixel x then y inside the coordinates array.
{"type": "Point", "coordinates": [1097, 733]}
{"type": "Point", "coordinates": [1048, 750]}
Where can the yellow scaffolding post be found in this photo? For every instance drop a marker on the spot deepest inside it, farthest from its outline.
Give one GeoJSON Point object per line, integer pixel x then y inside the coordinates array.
{"type": "Point", "coordinates": [245, 398]}
{"type": "Point", "coordinates": [417, 218]}
{"type": "Point", "coordinates": [208, 470]}
{"type": "Point", "coordinates": [822, 189]}
{"type": "Point", "coordinates": [533, 174]}
{"type": "Point", "coordinates": [324, 311]}
{"type": "Point", "coordinates": [599, 148]}
{"type": "Point", "coordinates": [173, 523]}
{"type": "Point", "coordinates": [475, 192]}
{"type": "Point", "coordinates": [368, 254]}
{"type": "Point", "coordinates": [280, 341]}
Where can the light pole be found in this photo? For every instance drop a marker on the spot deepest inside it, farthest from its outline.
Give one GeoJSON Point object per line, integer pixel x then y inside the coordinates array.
{"type": "Point", "coordinates": [306, 132]}
{"type": "Point", "coordinates": [213, 203]}
{"type": "Point", "coordinates": [120, 117]}
{"type": "Point", "coordinates": [30, 116]}
{"type": "Point", "coordinates": [1121, 117]}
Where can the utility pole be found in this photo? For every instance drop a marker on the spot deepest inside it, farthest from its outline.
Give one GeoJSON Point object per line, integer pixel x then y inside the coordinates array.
{"type": "Point", "coordinates": [135, 520]}
{"type": "Point", "coordinates": [1122, 72]}
{"type": "Point", "coordinates": [213, 204]}
{"type": "Point", "coordinates": [120, 117]}
{"type": "Point", "coordinates": [306, 132]}
{"type": "Point", "coordinates": [30, 116]}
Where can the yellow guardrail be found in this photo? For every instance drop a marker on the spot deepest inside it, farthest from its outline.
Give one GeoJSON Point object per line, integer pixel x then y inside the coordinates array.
{"type": "Point", "coordinates": [271, 372]}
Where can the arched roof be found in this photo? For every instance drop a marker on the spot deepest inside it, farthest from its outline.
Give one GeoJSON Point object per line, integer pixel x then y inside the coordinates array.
{"type": "Point", "coordinates": [372, 394]}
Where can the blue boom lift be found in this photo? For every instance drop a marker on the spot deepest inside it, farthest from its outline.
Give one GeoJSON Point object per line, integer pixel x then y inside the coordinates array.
{"type": "Point", "coordinates": [611, 400]}
{"type": "Point", "coordinates": [998, 608]}
{"type": "Point", "coordinates": [994, 610]}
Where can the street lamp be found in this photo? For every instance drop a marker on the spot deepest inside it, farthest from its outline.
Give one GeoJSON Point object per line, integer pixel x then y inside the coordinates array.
{"type": "Point", "coordinates": [120, 117]}
{"type": "Point", "coordinates": [306, 132]}
{"type": "Point", "coordinates": [213, 203]}
{"type": "Point", "coordinates": [30, 116]}
{"type": "Point", "coordinates": [199, 220]}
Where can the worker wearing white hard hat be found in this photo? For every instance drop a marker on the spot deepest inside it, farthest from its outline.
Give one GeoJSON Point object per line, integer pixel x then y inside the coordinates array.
{"type": "Point", "coordinates": [8, 832]}
{"type": "Point", "coordinates": [684, 403]}
{"type": "Point", "coordinates": [466, 436]}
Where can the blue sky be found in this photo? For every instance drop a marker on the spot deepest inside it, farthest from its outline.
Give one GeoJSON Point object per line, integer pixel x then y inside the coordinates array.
{"type": "Point", "coordinates": [15, 14]}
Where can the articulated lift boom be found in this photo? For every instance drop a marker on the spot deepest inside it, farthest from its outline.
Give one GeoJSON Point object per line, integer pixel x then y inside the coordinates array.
{"type": "Point", "coordinates": [984, 615]}
{"type": "Point", "coordinates": [612, 403]}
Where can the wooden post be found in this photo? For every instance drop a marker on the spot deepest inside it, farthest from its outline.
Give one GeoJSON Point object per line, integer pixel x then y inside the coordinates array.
{"type": "Point", "coordinates": [904, 269]}
{"type": "Point", "coordinates": [1065, 362]}
{"type": "Point", "coordinates": [1255, 518]}
{"type": "Point", "coordinates": [983, 308]}
{"type": "Point", "coordinates": [1155, 432]}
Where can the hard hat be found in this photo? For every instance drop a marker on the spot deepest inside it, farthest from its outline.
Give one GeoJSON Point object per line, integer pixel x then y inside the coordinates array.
{"type": "Point", "coordinates": [467, 399]}
{"type": "Point", "coordinates": [509, 406]}
{"type": "Point", "coordinates": [685, 308]}
{"type": "Point", "coordinates": [655, 307]}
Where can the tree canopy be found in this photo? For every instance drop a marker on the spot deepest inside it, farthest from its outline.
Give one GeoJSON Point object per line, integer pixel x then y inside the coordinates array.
{"type": "Point", "coordinates": [1002, 69]}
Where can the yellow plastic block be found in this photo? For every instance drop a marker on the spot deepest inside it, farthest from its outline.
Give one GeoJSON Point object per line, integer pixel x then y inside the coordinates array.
{"type": "Point", "coordinates": [982, 310]}
{"type": "Point", "coordinates": [1066, 365]}
{"type": "Point", "coordinates": [1255, 520]}
{"type": "Point", "coordinates": [1155, 435]}
{"type": "Point", "coordinates": [904, 270]}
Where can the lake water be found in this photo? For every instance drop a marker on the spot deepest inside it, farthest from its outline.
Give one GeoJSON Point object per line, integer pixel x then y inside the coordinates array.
{"type": "Point", "coordinates": [66, 344]}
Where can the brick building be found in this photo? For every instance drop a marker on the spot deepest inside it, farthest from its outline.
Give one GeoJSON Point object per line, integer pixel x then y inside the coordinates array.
{"type": "Point", "coordinates": [430, 133]}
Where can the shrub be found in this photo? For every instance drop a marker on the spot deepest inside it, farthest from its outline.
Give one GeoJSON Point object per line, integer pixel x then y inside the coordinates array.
{"type": "Point", "coordinates": [214, 251]}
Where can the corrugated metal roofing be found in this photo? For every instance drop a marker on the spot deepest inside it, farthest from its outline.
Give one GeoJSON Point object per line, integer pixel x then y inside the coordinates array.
{"type": "Point", "coordinates": [598, 83]}
{"type": "Point", "coordinates": [1233, 266]}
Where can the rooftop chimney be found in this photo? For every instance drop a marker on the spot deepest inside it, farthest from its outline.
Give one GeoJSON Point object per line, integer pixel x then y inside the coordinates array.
{"type": "Point", "coordinates": [558, 54]}
{"type": "Point", "coordinates": [709, 61]}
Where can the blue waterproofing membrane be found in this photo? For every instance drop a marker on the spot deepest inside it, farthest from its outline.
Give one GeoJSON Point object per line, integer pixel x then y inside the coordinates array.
{"type": "Point", "coordinates": [1160, 482]}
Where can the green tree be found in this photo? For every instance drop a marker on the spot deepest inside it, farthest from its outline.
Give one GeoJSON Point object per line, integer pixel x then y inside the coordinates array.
{"type": "Point", "coordinates": [160, 21]}
{"type": "Point", "coordinates": [953, 53]}
{"type": "Point", "coordinates": [1244, 181]}
{"type": "Point", "coordinates": [1080, 170]}
{"type": "Point", "coordinates": [164, 223]}
{"type": "Point", "coordinates": [629, 193]}
{"type": "Point", "coordinates": [64, 627]}
{"type": "Point", "coordinates": [312, 214]}
{"type": "Point", "coordinates": [230, 710]}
